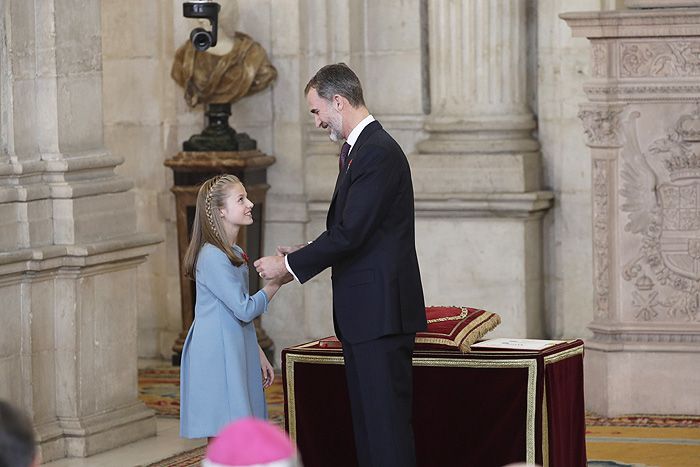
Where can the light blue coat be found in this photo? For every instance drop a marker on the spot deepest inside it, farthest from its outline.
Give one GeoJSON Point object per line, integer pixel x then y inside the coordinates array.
{"type": "Point", "coordinates": [220, 378]}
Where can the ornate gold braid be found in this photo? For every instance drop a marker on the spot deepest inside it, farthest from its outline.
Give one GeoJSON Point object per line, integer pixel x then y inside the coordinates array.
{"type": "Point", "coordinates": [462, 315]}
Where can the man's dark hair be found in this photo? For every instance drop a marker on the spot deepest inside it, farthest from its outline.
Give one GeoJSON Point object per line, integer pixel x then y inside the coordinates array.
{"type": "Point", "coordinates": [17, 444]}
{"type": "Point", "coordinates": [339, 79]}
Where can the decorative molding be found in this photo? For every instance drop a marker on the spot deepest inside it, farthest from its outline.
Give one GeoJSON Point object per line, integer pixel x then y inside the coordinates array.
{"type": "Point", "coordinates": [486, 205]}
{"type": "Point", "coordinates": [631, 334]}
{"type": "Point", "coordinates": [617, 87]}
{"type": "Point", "coordinates": [599, 60]}
{"type": "Point", "coordinates": [661, 3]}
{"type": "Point", "coordinates": [602, 126]}
{"type": "Point", "coordinates": [639, 92]}
{"type": "Point", "coordinates": [113, 253]}
{"type": "Point", "coordinates": [66, 176]}
{"type": "Point", "coordinates": [601, 240]}
{"type": "Point", "coordinates": [664, 22]}
{"type": "Point", "coordinates": [481, 205]}
{"type": "Point", "coordinates": [659, 58]}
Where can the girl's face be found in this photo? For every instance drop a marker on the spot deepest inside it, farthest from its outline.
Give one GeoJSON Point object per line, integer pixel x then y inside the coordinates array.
{"type": "Point", "coordinates": [237, 209]}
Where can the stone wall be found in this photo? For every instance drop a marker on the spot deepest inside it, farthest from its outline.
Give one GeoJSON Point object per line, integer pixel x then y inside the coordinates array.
{"type": "Point", "coordinates": [563, 66]}
{"type": "Point", "coordinates": [141, 124]}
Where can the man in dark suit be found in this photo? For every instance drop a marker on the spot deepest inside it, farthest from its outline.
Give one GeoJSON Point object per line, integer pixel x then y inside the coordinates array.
{"type": "Point", "coordinates": [369, 243]}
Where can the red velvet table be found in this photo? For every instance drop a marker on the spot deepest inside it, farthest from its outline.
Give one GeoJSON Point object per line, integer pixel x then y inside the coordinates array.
{"type": "Point", "coordinates": [485, 408]}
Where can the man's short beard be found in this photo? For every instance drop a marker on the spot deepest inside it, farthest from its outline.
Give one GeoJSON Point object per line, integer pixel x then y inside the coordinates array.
{"type": "Point", "coordinates": [336, 129]}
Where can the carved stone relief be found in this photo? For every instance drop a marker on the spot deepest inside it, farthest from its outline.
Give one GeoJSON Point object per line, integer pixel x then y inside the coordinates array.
{"type": "Point", "coordinates": [644, 336]}
{"type": "Point", "coordinates": [601, 126]}
{"type": "Point", "coordinates": [661, 193]}
{"type": "Point", "coordinates": [660, 58]}
{"type": "Point", "coordinates": [645, 191]}
{"type": "Point", "coordinates": [601, 253]}
{"type": "Point", "coordinates": [598, 92]}
{"type": "Point", "coordinates": [599, 60]}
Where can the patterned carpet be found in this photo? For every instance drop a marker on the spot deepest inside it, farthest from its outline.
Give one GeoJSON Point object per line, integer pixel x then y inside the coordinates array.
{"type": "Point", "coordinates": [629, 441]}
{"type": "Point", "coordinates": [159, 389]}
{"type": "Point", "coordinates": [650, 421]}
{"type": "Point", "coordinates": [191, 458]}
{"type": "Point", "coordinates": [643, 441]}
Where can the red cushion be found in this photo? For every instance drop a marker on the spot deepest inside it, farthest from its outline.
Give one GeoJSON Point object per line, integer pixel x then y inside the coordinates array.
{"type": "Point", "coordinates": [455, 328]}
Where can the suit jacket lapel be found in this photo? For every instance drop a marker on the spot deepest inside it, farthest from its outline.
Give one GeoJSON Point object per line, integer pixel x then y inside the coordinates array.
{"type": "Point", "coordinates": [361, 140]}
{"type": "Point", "coordinates": [337, 185]}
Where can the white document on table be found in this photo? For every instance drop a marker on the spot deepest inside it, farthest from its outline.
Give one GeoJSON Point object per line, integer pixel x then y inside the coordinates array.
{"type": "Point", "coordinates": [518, 344]}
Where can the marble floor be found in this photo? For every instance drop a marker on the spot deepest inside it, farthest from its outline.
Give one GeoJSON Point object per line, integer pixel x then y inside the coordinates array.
{"type": "Point", "coordinates": [166, 443]}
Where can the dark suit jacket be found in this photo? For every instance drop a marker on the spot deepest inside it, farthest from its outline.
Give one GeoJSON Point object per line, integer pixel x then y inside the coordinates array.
{"type": "Point", "coordinates": [370, 244]}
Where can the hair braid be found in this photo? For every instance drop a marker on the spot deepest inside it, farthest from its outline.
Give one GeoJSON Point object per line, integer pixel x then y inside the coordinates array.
{"type": "Point", "coordinates": [207, 204]}
{"type": "Point", "coordinates": [208, 227]}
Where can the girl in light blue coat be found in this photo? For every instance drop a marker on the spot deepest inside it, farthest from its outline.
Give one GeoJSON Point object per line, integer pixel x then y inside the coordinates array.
{"type": "Point", "coordinates": [223, 369]}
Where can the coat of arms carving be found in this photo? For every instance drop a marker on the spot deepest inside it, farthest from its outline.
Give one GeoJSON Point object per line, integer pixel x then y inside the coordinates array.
{"type": "Point", "coordinates": [661, 194]}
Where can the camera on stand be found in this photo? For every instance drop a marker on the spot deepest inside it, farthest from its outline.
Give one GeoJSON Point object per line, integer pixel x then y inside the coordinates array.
{"type": "Point", "coordinates": [204, 9]}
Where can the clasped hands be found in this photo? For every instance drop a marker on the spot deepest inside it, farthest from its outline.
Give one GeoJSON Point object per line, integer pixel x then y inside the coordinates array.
{"type": "Point", "coordinates": [272, 268]}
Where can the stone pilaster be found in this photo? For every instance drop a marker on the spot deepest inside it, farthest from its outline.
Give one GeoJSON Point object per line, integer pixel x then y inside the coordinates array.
{"type": "Point", "coordinates": [477, 175]}
{"type": "Point", "coordinates": [472, 46]}
{"type": "Point", "coordinates": [69, 248]}
{"type": "Point", "coordinates": [641, 127]}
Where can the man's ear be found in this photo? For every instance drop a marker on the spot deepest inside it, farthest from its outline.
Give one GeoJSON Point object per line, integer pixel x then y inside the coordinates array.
{"type": "Point", "coordinates": [338, 102]}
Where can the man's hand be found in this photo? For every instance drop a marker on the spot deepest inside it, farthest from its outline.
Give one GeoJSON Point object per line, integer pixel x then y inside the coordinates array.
{"type": "Point", "coordinates": [285, 250]}
{"type": "Point", "coordinates": [271, 267]}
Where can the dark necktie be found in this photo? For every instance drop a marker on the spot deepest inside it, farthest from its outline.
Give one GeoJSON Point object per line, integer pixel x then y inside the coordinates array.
{"type": "Point", "coordinates": [343, 156]}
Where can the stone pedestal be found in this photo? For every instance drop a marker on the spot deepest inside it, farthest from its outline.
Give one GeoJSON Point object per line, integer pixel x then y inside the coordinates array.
{"type": "Point", "coordinates": [83, 343]}
{"type": "Point", "coordinates": [642, 124]}
{"type": "Point", "coordinates": [477, 176]}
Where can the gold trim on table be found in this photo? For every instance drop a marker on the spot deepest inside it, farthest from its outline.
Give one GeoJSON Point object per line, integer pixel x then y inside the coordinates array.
{"type": "Point", "coordinates": [554, 358]}
{"type": "Point", "coordinates": [289, 370]}
{"type": "Point", "coordinates": [545, 428]}
{"type": "Point", "coordinates": [529, 363]}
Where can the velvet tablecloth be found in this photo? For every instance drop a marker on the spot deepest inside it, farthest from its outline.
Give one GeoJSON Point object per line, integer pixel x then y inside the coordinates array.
{"type": "Point", "coordinates": [485, 408]}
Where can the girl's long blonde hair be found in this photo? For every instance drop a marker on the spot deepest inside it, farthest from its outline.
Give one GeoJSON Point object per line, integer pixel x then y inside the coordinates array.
{"type": "Point", "coordinates": [207, 226]}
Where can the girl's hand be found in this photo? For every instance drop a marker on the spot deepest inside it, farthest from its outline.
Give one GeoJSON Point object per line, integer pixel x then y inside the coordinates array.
{"type": "Point", "coordinates": [283, 280]}
{"type": "Point", "coordinates": [268, 373]}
